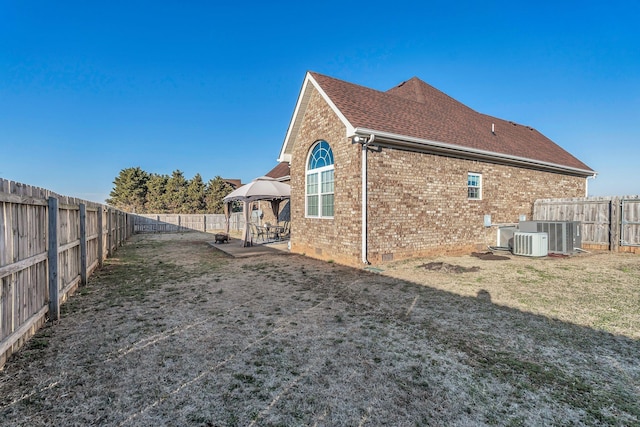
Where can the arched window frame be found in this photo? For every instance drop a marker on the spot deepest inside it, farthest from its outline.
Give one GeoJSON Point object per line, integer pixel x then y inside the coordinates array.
{"type": "Point", "coordinates": [319, 181]}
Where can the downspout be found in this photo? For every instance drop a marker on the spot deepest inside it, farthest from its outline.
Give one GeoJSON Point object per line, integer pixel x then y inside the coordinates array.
{"type": "Point", "coordinates": [365, 146]}
{"type": "Point", "coordinates": [586, 187]}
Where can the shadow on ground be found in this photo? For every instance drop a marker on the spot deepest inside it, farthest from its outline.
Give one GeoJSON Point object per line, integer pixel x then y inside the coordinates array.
{"type": "Point", "coordinates": [172, 332]}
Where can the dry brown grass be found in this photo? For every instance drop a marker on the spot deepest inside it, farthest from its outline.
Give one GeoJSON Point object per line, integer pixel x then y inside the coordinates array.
{"type": "Point", "coordinates": [172, 332]}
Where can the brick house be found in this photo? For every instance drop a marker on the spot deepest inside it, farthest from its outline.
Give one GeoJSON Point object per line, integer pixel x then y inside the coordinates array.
{"type": "Point", "coordinates": [379, 176]}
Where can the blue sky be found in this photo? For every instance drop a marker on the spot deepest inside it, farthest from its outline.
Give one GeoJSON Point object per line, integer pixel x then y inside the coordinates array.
{"type": "Point", "coordinates": [90, 88]}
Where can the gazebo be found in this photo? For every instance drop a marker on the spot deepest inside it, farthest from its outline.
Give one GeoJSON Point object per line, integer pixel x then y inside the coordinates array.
{"type": "Point", "coordinates": [262, 188]}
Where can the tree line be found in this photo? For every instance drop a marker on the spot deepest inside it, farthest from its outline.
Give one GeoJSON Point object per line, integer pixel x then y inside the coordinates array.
{"type": "Point", "coordinates": [138, 191]}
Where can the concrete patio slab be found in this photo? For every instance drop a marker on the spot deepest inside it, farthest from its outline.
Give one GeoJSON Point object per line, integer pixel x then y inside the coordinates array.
{"type": "Point", "coordinates": [235, 249]}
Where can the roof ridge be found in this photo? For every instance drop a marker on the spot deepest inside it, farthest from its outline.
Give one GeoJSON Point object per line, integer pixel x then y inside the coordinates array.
{"type": "Point", "coordinates": [422, 97]}
{"type": "Point", "coordinates": [417, 88]}
{"type": "Point", "coordinates": [416, 109]}
{"type": "Point", "coordinates": [489, 116]}
{"type": "Point", "coordinates": [391, 91]}
{"type": "Point", "coordinates": [315, 74]}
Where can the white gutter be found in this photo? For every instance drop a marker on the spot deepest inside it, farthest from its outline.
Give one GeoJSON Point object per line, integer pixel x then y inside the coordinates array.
{"type": "Point", "coordinates": [445, 148]}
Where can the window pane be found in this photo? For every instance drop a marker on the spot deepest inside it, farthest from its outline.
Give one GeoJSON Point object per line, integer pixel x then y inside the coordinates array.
{"type": "Point", "coordinates": [327, 181]}
{"type": "Point", "coordinates": [327, 205]}
{"type": "Point", "coordinates": [312, 183]}
{"type": "Point", "coordinates": [321, 156]}
{"type": "Point", "coordinates": [320, 185]}
{"type": "Point", "coordinates": [312, 205]}
{"type": "Point", "coordinates": [474, 185]}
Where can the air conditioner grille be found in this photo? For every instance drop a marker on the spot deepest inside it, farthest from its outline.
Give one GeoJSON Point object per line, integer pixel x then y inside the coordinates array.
{"type": "Point", "coordinates": [564, 236]}
{"type": "Point", "coordinates": [530, 244]}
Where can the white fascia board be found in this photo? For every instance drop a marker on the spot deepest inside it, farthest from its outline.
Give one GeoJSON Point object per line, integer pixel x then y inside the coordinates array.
{"type": "Point", "coordinates": [298, 114]}
{"type": "Point", "coordinates": [294, 123]}
{"type": "Point", "coordinates": [419, 144]}
{"type": "Point", "coordinates": [286, 157]}
{"type": "Point", "coordinates": [343, 119]}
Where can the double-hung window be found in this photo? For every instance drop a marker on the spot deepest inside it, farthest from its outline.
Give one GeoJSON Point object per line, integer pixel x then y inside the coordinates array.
{"type": "Point", "coordinates": [474, 186]}
{"type": "Point", "coordinates": [319, 187]}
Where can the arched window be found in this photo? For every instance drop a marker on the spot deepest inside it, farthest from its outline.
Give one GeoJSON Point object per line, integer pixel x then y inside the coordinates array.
{"type": "Point", "coordinates": [319, 188]}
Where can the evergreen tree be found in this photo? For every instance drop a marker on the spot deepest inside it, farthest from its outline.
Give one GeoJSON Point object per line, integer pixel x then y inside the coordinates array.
{"type": "Point", "coordinates": [195, 196]}
{"type": "Point", "coordinates": [156, 189]}
{"type": "Point", "coordinates": [130, 190]}
{"type": "Point", "coordinates": [175, 196]}
{"type": "Point", "coordinates": [217, 189]}
{"type": "Point", "coordinates": [138, 191]}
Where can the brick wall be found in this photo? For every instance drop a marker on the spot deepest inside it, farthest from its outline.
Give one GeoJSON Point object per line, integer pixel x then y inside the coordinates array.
{"type": "Point", "coordinates": [417, 203]}
{"type": "Point", "coordinates": [335, 239]}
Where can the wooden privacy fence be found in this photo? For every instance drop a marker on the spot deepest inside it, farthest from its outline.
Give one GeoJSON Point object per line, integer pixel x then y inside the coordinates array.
{"type": "Point", "coordinates": [49, 244]}
{"type": "Point", "coordinates": [607, 222]}
{"type": "Point", "coordinates": [167, 223]}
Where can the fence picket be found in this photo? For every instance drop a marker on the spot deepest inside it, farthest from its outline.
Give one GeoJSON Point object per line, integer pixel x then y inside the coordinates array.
{"type": "Point", "coordinates": [26, 232]}
{"type": "Point", "coordinates": [171, 223]}
{"type": "Point", "coordinates": [611, 223]}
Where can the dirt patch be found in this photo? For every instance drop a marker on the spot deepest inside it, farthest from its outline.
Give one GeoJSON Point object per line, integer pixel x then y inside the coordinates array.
{"type": "Point", "coordinates": [448, 268]}
{"type": "Point", "coordinates": [489, 256]}
{"type": "Point", "coordinates": [173, 332]}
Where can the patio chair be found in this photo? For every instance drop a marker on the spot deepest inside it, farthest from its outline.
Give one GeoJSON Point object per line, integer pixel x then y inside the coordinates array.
{"type": "Point", "coordinates": [257, 232]}
{"type": "Point", "coordinates": [269, 230]}
{"type": "Point", "coordinates": [286, 230]}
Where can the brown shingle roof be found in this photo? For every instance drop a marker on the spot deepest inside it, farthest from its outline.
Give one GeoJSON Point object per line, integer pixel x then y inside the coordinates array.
{"type": "Point", "coordinates": [418, 110]}
{"type": "Point", "coordinates": [280, 171]}
{"type": "Point", "coordinates": [235, 183]}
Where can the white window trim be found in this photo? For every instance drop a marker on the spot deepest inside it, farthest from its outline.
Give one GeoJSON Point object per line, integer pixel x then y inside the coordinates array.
{"type": "Point", "coordinates": [318, 172]}
{"type": "Point", "coordinates": [479, 187]}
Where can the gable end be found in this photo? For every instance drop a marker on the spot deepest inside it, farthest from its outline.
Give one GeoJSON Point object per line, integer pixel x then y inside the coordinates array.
{"type": "Point", "coordinates": [298, 114]}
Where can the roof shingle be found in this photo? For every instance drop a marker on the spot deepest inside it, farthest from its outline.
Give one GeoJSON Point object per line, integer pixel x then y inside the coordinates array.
{"type": "Point", "coordinates": [281, 170]}
{"type": "Point", "coordinates": [418, 110]}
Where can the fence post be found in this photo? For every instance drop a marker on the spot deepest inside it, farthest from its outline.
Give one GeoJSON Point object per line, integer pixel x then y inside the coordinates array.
{"type": "Point", "coordinates": [615, 224]}
{"type": "Point", "coordinates": [83, 244]}
{"type": "Point", "coordinates": [109, 234]}
{"type": "Point", "coordinates": [204, 223]}
{"type": "Point", "coordinates": [116, 231]}
{"type": "Point", "coordinates": [100, 238]}
{"type": "Point", "coordinates": [118, 228]}
{"type": "Point", "coordinates": [52, 254]}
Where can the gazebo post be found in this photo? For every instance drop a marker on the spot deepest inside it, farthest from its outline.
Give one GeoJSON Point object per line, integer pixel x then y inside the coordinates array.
{"type": "Point", "coordinates": [246, 235]}
{"type": "Point", "coordinates": [227, 216]}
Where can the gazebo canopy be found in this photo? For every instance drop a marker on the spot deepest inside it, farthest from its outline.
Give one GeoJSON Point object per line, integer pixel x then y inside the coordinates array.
{"type": "Point", "coordinates": [262, 188]}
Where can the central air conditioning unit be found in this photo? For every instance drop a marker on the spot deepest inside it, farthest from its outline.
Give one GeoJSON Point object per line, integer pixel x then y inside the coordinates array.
{"type": "Point", "coordinates": [564, 236]}
{"type": "Point", "coordinates": [505, 236]}
{"type": "Point", "coordinates": [530, 244]}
